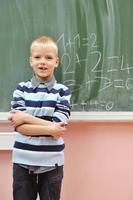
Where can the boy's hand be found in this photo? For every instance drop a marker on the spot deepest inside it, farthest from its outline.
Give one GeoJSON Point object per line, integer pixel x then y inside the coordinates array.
{"type": "Point", "coordinates": [57, 129]}
{"type": "Point", "coordinates": [17, 117]}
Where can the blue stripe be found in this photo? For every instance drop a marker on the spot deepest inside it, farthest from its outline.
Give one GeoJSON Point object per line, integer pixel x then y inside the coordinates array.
{"type": "Point", "coordinates": [45, 89]}
{"type": "Point", "coordinates": [60, 91]}
{"type": "Point", "coordinates": [31, 90]}
{"type": "Point", "coordinates": [40, 104]}
{"type": "Point", "coordinates": [48, 118]}
{"type": "Point", "coordinates": [48, 148]}
{"type": "Point", "coordinates": [64, 111]}
{"type": "Point", "coordinates": [18, 99]}
{"type": "Point", "coordinates": [56, 119]}
{"type": "Point", "coordinates": [64, 103]}
{"type": "Point", "coordinates": [18, 106]}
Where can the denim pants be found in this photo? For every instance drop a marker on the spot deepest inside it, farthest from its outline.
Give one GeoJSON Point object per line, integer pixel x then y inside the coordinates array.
{"type": "Point", "coordinates": [26, 186]}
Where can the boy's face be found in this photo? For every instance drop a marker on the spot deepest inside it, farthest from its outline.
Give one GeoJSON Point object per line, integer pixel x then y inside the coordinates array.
{"type": "Point", "coordinates": [44, 60]}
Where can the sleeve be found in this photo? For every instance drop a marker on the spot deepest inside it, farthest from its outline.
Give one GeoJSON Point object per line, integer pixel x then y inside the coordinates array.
{"type": "Point", "coordinates": [18, 101]}
{"type": "Point", "coordinates": [62, 109]}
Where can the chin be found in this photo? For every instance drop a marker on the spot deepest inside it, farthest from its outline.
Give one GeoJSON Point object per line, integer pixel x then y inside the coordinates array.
{"type": "Point", "coordinates": [44, 78]}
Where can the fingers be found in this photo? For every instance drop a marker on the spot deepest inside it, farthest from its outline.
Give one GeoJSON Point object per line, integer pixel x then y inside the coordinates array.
{"type": "Point", "coordinates": [57, 136]}
{"type": "Point", "coordinates": [10, 117]}
{"type": "Point", "coordinates": [63, 124]}
{"type": "Point", "coordinates": [58, 129]}
{"type": "Point", "coordinates": [15, 111]}
{"type": "Point", "coordinates": [13, 124]}
{"type": "Point", "coordinates": [12, 112]}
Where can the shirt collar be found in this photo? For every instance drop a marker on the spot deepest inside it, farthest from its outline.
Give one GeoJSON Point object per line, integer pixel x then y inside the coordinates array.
{"type": "Point", "coordinates": [49, 84]}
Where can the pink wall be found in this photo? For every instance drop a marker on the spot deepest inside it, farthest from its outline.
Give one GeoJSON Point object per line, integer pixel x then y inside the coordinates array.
{"type": "Point", "coordinates": [5, 175]}
{"type": "Point", "coordinates": [98, 166]}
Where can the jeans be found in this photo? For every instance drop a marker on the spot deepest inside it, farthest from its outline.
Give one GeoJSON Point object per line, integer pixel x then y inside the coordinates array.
{"type": "Point", "coordinates": [26, 186]}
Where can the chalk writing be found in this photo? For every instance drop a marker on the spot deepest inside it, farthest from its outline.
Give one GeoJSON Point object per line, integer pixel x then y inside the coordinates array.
{"type": "Point", "coordinates": [101, 73]}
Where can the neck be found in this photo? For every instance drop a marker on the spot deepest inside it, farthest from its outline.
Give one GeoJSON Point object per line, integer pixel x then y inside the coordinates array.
{"type": "Point", "coordinates": [44, 80]}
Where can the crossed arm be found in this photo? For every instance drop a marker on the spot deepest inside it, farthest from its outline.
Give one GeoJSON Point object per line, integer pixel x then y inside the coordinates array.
{"type": "Point", "coordinates": [33, 126]}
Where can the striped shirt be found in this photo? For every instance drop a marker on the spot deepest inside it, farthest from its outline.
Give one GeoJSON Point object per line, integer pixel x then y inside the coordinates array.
{"type": "Point", "coordinates": [50, 101]}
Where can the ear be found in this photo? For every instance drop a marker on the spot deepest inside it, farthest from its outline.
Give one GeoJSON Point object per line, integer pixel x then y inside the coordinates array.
{"type": "Point", "coordinates": [57, 62]}
{"type": "Point", "coordinates": [30, 61]}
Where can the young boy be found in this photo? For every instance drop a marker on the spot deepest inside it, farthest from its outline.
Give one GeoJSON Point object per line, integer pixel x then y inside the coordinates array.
{"type": "Point", "coordinates": [41, 108]}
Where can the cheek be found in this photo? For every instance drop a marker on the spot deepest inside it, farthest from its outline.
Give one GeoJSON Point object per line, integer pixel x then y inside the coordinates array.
{"type": "Point", "coordinates": [34, 64]}
{"type": "Point", "coordinates": [52, 69]}
{"type": "Point", "coordinates": [34, 68]}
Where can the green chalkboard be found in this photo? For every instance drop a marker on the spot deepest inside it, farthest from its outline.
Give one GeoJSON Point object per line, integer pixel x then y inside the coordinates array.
{"type": "Point", "coordinates": [95, 38]}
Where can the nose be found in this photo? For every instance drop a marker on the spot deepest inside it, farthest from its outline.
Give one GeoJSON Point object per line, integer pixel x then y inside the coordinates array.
{"type": "Point", "coordinates": [43, 60]}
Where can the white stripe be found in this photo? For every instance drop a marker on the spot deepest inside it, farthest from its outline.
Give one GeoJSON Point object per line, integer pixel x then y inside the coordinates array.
{"type": "Point", "coordinates": [58, 86]}
{"type": "Point", "coordinates": [41, 96]}
{"type": "Point", "coordinates": [38, 140]}
{"type": "Point", "coordinates": [43, 111]}
{"type": "Point", "coordinates": [27, 84]}
{"type": "Point", "coordinates": [65, 98]}
{"type": "Point", "coordinates": [18, 93]}
{"type": "Point", "coordinates": [61, 116]}
{"type": "Point", "coordinates": [38, 158]}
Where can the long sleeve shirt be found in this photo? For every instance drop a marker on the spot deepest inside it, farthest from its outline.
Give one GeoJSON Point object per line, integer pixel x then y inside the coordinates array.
{"type": "Point", "coordinates": [50, 101]}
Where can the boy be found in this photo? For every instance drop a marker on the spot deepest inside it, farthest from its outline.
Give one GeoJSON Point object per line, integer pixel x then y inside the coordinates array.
{"type": "Point", "coordinates": [41, 108]}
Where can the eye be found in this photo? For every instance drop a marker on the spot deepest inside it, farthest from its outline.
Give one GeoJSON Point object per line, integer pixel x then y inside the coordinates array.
{"type": "Point", "coordinates": [49, 58]}
{"type": "Point", "coordinates": [36, 57]}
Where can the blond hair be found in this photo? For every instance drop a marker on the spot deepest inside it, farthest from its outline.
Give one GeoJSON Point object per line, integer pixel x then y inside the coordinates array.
{"type": "Point", "coordinates": [44, 41]}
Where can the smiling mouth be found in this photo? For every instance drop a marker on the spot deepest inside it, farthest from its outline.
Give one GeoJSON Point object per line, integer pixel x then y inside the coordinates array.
{"type": "Point", "coordinates": [42, 68]}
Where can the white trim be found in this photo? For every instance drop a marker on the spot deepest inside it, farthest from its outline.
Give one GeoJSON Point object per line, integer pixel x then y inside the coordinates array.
{"type": "Point", "coordinates": [7, 140]}
{"type": "Point", "coordinates": [4, 116]}
{"type": "Point", "coordinates": [88, 116]}
{"type": "Point", "coordinates": [102, 116]}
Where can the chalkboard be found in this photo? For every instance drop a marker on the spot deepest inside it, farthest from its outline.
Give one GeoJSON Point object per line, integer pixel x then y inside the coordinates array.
{"type": "Point", "coordinates": [95, 38]}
